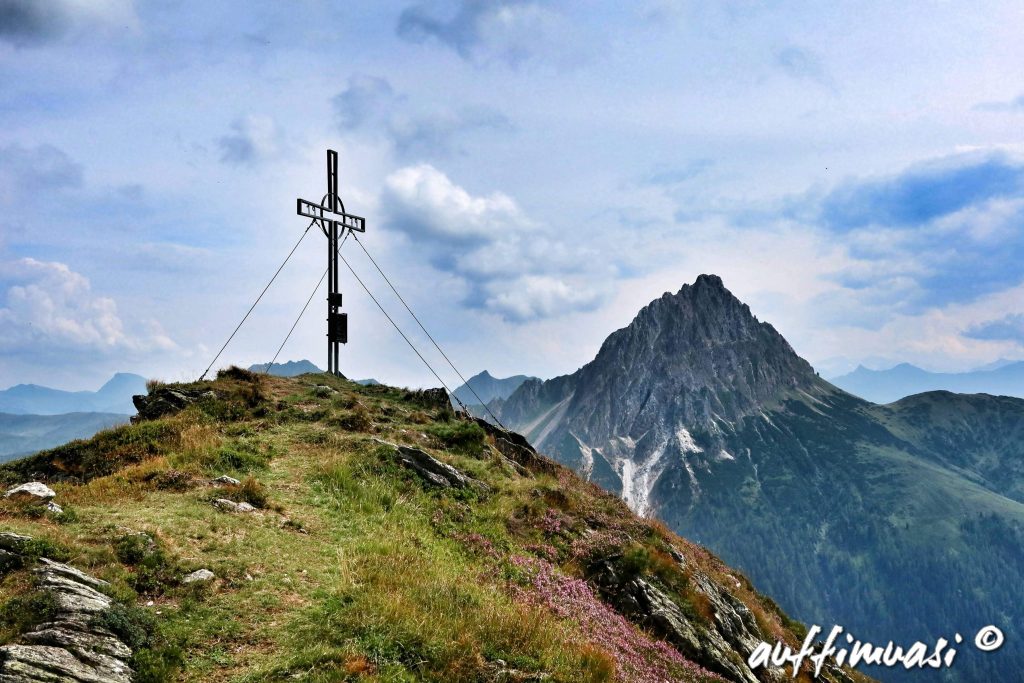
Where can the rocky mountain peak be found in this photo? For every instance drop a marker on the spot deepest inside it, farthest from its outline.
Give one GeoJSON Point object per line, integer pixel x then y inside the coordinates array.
{"type": "Point", "coordinates": [700, 350]}
{"type": "Point", "coordinates": [668, 387]}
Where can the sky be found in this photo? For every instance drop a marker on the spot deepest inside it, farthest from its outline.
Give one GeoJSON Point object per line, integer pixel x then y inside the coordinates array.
{"type": "Point", "coordinates": [531, 173]}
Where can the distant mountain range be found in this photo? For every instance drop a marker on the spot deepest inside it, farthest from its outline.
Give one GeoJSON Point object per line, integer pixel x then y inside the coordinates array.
{"type": "Point", "coordinates": [25, 434]}
{"type": "Point", "coordinates": [898, 522]}
{"type": "Point", "coordinates": [488, 388]}
{"type": "Point", "coordinates": [294, 368]}
{"type": "Point", "coordinates": [1004, 378]}
{"type": "Point", "coordinates": [113, 397]}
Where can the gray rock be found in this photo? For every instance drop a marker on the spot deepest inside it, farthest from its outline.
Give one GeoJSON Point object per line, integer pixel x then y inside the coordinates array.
{"type": "Point", "coordinates": [54, 508]}
{"type": "Point", "coordinates": [167, 401]}
{"type": "Point", "coordinates": [199, 576]}
{"type": "Point", "coordinates": [432, 470]}
{"type": "Point", "coordinates": [32, 489]}
{"type": "Point", "coordinates": [12, 542]}
{"type": "Point", "coordinates": [226, 505]}
{"type": "Point", "coordinates": [226, 480]}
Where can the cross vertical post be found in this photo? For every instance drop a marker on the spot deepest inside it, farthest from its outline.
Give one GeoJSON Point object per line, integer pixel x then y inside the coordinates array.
{"type": "Point", "coordinates": [333, 221]}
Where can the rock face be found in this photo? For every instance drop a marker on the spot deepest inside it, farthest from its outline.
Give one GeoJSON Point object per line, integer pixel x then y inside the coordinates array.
{"type": "Point", "coordinates": [71, 647]}
{"type": "Point", "coordinates": [433, 471]}
{"type": "Point", "coordinates": [167, 401]}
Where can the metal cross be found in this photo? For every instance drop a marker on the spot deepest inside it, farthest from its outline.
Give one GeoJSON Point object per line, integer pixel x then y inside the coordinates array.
{"type": "Point", "coordinates": [330, 215]}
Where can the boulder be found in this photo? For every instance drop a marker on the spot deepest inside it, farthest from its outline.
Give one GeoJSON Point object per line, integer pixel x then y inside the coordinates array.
{"type": "Point", "coordinates": [432, 470]}
{"type": "Point", "coordinates": [32, 490]}
{"type": "Point", "coordinates": [226, 480]}
{"type": "Point", "coordinates": [199, 576]}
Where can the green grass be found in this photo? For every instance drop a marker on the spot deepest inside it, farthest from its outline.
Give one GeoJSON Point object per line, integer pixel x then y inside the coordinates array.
{"type": "Point", "coordinates": [352, 570]}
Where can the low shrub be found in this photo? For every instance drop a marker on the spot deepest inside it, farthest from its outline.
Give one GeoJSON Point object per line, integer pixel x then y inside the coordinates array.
{"type": "Point", "coordinates": [460, 436]}
{"type": "Point", "coordinates": [355, 420]}
{"type": "Point", "coordinates": [153, 570]}
{"type": "Point", "coordinates": [155, 659]}
{"type": "Point", "coordinates": [24, 612]}
{"type": "Point", "coordinates": [250, 491]}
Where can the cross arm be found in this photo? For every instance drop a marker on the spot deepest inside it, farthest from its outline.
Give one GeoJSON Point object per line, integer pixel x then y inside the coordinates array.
{"type": "Point", "coordinates": [317, 212]}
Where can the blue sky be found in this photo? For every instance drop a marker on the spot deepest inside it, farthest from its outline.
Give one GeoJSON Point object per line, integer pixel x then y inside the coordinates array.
{"type": "Point", "coordinates": [532, 173]}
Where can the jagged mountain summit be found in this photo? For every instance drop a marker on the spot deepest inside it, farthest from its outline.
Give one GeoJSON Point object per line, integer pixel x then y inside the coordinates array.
{"type": "Point", "coordinates": [292, 368]}
{"type": "Point", "coordinates": [484, 388]}
{"type": "Point", "coordinates": [663, 389]}
{"type": "Point", "coordinates": [877, 518]}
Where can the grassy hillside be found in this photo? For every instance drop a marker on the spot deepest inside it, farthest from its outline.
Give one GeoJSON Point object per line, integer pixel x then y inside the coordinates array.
{"type": "Point", "coordinates": [351, 568]}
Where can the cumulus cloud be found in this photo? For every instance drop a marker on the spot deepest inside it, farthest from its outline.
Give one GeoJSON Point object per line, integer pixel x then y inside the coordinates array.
{"type": "Point", "coordinates": [48, 306]}
{"type": "Point", "coordinates": [370, 103]}
{"type": "Point", "coordinates": [252, 139]}
{"type": "Point", "coordinates": [510, 266]}
{"type": "Point", "coordinates": [511, 31]}
{"type": "Point", "coordinates": [1007, 328]}
{"type": "Point", "coordinates": [25, 23]}
{"type": "Point", "coordinates": [28, 170]}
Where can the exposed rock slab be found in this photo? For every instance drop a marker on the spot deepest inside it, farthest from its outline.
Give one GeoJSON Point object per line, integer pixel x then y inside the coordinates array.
{"type": "Point", "coordinates": [433, 471]}
{"type": "Point", "coordinates": [71, 647]}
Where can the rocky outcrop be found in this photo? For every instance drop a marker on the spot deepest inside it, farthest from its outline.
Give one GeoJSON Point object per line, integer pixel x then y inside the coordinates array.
{"type": "Point", "coordinates": [167, 401]}
{"type": "Point", "coordinates": [517, 449]}
{"type": "Point", "coordinates": [721, 645]}
{"type": "Point", "coordinates": [433, 471]}
{"type": "Point", "coordinates": [71, 646]}
{"type": "Point", "coordinates": [436, 399]}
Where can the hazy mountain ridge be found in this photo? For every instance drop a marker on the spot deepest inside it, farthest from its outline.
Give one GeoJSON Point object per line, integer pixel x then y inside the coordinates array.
{"type": "Point", "coordinates": [1004, 378]}
{"type": "Point", "coordinates": [484, 388]}
{"type": "Point", "coordinates": [24, 434]}
{"type": "Point", "coordinates": [700, 414]}
{"type": "Point", "coordinates": [115, 396]}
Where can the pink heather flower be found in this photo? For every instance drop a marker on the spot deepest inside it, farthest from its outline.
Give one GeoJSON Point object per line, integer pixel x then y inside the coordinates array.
{"type": "Point", "coordinates": [639, 658]}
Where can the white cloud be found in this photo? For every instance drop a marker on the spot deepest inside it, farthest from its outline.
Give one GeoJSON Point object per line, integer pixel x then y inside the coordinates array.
{"type": "Point", "coordinates": [49, 306]}
{"type": "Point", "coordinates": [425, 203]}
{"type": "Point", "coordinates": [539, 296]}
{"type": "Point", "coordinates": [510, 267]}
